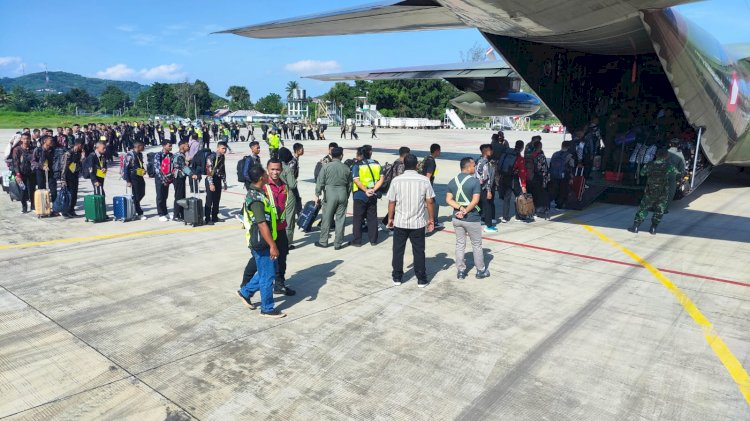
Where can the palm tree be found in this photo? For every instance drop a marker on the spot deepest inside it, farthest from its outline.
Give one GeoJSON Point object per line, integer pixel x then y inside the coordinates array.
{"type": "Point", "coordinates": [290, 87]}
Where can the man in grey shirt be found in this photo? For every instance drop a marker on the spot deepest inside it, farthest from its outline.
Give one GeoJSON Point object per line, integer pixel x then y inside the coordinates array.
{"type": "Point", "coordinates": [409, 195]}
{"type": "Point", "coordinates": [464, 193]}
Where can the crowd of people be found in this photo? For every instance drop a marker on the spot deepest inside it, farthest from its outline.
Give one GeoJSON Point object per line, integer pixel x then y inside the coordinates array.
{"type": "Point", "coordinates": [39, 159]}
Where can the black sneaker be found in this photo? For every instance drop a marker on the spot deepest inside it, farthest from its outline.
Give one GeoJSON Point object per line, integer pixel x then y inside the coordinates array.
{"type": "Point", "coordinates": [321, 245]}
{"type": "Point", "coordinates": [284, 290]}
{"type": "Point", "coordinates": [483, 274]}
{"type": "Point", "coordinates": [209, 222]}
{"type": "Point", "coordinates": [246, 301]}
{"type": "Point", "coordinates": [461, 274]}
{"type": "Point", "coordinates": [292, 247]}
{"type": "Point", "coordinates": [422, 284]}
{"type": "Point", "coordinates": [273, 314]}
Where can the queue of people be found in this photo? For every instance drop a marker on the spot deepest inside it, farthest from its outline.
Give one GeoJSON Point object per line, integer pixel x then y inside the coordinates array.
{"type": "Point", "coordinates": [39, 160]}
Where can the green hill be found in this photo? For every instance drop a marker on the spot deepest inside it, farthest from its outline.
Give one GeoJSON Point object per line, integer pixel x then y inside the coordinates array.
{"type": "Point", "coordinates": [64, 81]}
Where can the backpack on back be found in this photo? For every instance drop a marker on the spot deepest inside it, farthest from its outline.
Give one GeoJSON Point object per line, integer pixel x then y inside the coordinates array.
{"type": "Point", "coordinates": [57, 163]}
{"type": "Point", "coordinates": [243, 168]}
{"type": "Point", "coordinates": [506, 163]}
{"type": "Point", "coordinates": [166, 170]}
{"type": "Point", "coordinates": [388, 173]}
{"type": "Point", "coordinates": [150, 168]}
{"type": "Point", "coordinates": [421, 164]}
{"type": "Point", "coordinates": [87, 167]}
{"type": "Point", "coordinates": [557, 165]}
{"type": "Point", "coordinates": [198, 163]}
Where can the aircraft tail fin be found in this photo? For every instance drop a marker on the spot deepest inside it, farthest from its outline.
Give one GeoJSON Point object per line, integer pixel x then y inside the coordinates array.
{"type": "Point", "coordinates": [390, 16]}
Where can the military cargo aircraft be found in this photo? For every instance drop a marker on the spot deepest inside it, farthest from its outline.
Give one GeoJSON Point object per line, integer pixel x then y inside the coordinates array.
{"type": "Point", "coordinates": [582, 58]}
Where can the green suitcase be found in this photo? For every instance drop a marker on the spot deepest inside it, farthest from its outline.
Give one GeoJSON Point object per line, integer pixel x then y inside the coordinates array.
{"type": "Point", "coordinates": [95, 209]}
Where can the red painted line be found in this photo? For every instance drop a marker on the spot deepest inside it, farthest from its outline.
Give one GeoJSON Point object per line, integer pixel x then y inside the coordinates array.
{"type": "Point", "coordinates": [602, 259]}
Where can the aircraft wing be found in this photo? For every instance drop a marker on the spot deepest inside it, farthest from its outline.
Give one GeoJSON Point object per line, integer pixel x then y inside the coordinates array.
{"type": "Point", "coordinates": [475, 70]}
{"type": "Point", "coordinates": [389, 16]}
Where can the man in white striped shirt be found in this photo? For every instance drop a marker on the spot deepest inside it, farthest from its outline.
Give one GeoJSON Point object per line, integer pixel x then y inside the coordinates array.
{"type": "Point", "coordinates": [409, 195]}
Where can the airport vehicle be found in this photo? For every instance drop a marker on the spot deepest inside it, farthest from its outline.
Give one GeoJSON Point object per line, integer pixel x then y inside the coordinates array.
{"type": "Point", "coordinates": [580, 58]}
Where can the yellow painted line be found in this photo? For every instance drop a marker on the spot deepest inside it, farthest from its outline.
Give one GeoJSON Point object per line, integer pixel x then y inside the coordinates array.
{"type": "Point", "coordinates": [720, 348]}
{"type": "Point", "coordinates": [110, 236]}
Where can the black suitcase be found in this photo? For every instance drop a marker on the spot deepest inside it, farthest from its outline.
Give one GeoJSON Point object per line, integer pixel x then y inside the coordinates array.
{"type": "Point", "coordinates": [307, 216]}
{"type": "Point", "coordinates": [193, 212]}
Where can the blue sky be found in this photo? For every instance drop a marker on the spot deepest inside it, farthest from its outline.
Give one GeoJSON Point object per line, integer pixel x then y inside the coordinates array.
{"type": "Point", "coordinates": [150, 41]}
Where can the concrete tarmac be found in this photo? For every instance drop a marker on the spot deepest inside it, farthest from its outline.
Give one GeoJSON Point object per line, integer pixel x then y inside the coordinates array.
{"type": "Point", "coordinates": [140, 320]}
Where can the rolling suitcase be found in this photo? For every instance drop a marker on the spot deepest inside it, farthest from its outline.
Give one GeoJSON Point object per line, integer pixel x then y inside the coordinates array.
{"type": "Point", "coordinates": [94, 208]}
{"type": "Point", "coordinates": [307, 216]}
{"type": "Point", "coordinates": [579, 183]}
{"type": "Point", "coordinates": [42, 202]}
{"type": "Point", "coordinates": [525, 209]}
{"type": "Point", "coordinates": [123, 207]}
{"type": "Point", "coordinates": [193, 212]}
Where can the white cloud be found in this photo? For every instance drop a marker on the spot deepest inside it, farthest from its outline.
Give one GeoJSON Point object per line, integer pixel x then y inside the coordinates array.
{"type": "Point", "coordinates": [313, 66]}
{"type": "Point", "coordinates": [161, 72]}
{"type": "Point", "coordinates": [125, 28]}
{"type": "Point", "coordinates": [7, 61]}
{"type": "Point", "coordinates": [165, 71]}
{"type": "Point", "coordinates": [117, 72]}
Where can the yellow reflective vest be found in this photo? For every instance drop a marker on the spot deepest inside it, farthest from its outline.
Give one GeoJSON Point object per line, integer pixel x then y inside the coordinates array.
{"type": "Point", "coordinates": [369, 174]}
{"type": "Point", "coordinates": [273, 141]}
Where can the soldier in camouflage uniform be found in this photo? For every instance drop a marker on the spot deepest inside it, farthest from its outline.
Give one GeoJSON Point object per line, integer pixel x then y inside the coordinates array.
{"type": "Point", "coordinates": [659, 172]}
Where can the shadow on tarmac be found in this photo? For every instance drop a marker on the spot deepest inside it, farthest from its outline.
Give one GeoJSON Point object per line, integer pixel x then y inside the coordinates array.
{"type": "Point", "coordinates": [308, 282]}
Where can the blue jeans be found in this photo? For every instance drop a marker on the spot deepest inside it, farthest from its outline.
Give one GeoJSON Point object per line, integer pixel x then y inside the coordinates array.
{"type": "Point", "coordinates": [262, 280]}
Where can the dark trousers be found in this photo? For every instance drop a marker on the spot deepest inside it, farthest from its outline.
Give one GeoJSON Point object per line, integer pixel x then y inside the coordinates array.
{"type": "Point", "coordinates": [417, 239]}
{"type": "Point", "coordinates": [179, 193]}
{"type": "Point", "coordinates": [488, 208]}
{"type": "Point", "coordinates": [41, 183]}
{"type": "Point", "coordinates": [211, 209]}
{"type": "Point", "coordinates": [138, 186]}
{"type": "Point", "coordinates": [206, 143]}
{"type": "Point", "coordinates": [558, 191]}
{"type": "Point", "coordinates": [71, 181]}
{"type": "Point", "coordinates": [27, 195]}
{"type": "Point", "coordinates": [537, 190]}
{"type": "Point", "coordinates": [369, 210]}
{"type": "Point", "coordinates": [282, 243]}
{"type": "Point", "coordinates": [505, 193]}
{"type": "Point", "coordinates": [162, 194]}
{"type": "Point", "coordinates": [100, 189]}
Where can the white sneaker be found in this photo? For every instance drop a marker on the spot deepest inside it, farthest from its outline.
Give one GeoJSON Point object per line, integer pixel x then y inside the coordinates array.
{"type": "Point", "coordinates": [163, 219]}
{"type": "Point", "coordinates": [170, 216]}
{"type": "Point", "coordinates": [143, 218]}
{"type": "Point", "coordinates": [397, 283]}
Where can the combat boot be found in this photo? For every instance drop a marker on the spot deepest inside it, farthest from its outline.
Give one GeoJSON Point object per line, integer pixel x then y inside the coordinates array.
{"type": "Point", "coordinates": [634, 228]}
{"type": "Point", "coordinates": [652, 230]}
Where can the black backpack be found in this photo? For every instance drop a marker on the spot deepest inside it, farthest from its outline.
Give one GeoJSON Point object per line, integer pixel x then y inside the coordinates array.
{"type": "Point", "coordinates": [57, 163]}
{"type": "Point", "coordinates": [198, 164]}
{"type": "Point", "coordinates": [243, 168]}
{"type": "Point", "coordinates": [506, 162]}
{"type": "Point", "coordinates": [87, 167]}
{"type": "Point", "coordinates": [150, 168]}
{"type": "Point", "coordinates": [387, 174]}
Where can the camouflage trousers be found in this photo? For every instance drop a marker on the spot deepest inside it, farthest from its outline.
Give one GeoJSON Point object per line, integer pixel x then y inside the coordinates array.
{"type": "Point", "coordinates": [652, 200]}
